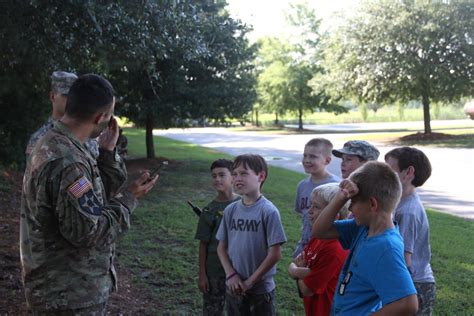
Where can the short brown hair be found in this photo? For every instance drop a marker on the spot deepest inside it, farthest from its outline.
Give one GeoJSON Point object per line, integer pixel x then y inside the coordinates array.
{"type": "Point", "coordinates": [376, 179]}
{"type": "Point", "coordinates": [410, 156]}
{"type": "Point", "coordinates": [256, 163]}
{"type": "Point", "coordinates": [323, 143]}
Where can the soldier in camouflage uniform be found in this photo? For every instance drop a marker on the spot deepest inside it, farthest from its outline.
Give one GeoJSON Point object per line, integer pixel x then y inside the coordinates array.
{"type": "Point", "coordinates": [70, 217]}
{"type": "Point", "coordinates": [61, 81]}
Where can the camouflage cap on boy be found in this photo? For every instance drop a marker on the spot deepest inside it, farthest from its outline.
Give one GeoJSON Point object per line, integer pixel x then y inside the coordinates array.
{"type": "Point", "coordinates": [360, 148]}
{"type": "Point", "coordinates": [62, 81]}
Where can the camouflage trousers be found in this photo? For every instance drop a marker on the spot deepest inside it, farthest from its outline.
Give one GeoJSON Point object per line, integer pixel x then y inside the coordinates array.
{"type": "Point", "coordinates": [214, 300]}
{"type": "Point", "coordinates": [426, 298]}
{"type": "Point", "coordinates": [96, 310]}
{"type": "Point", "coordinates": [251, 304]}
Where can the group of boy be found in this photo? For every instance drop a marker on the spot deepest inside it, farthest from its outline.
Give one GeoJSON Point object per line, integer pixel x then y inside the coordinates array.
{"type": "Point", "coordinates": [365, 263]}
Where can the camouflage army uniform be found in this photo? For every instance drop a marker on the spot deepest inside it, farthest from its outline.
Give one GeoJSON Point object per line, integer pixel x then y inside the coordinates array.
{"type": "Point", "coordinates": [209, 221]}
{"type": "Point", "coordinates": [68, 226]}
{"type": "Point", "coordinates": [92, 145]}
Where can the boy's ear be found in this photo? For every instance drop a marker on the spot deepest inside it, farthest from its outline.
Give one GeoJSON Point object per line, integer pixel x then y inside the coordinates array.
{"type": "Point", "coordinates": [407, 174]}
{"type": "Point", "coordinates": [328, 160]}
{"type": "Point", "coordinates": [262, 176]}
{"type": "Point", "coordinates": [411, 171]}
{"type": "Point", "coordinates": [374, 204]}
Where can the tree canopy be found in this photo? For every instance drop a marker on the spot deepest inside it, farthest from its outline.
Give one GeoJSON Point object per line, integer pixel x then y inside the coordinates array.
{"type": "Point", "coordinates": [285, 68]}
{"type": "Point", "coordinates": [403, 50]}
{"type": "Point", "coordinates": [167, 61]}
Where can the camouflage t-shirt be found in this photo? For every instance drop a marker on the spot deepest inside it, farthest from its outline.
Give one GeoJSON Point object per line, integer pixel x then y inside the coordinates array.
{"type": "Point", "coordinates": [68, 226]}
{"type": "Point", "coordinates": [208, 225]}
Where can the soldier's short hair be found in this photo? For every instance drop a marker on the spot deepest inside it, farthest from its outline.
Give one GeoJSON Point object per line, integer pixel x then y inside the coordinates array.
{"type": "Point", "coordinates": [90, 94]}
{"type": "Point", "coordinates": [410, 156]}
{"type": "Point", "coordinates": [376, 179]}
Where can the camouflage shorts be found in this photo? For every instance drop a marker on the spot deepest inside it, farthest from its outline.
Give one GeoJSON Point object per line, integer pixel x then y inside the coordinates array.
{"type": "Point", "coordinates": [426, 298]}
{"type": "Point", "coordinates": [214, 300]}
{"type": "Point", "coordinates": [251, 304]}
{"type": "Point", "coordinates": [96, 310]}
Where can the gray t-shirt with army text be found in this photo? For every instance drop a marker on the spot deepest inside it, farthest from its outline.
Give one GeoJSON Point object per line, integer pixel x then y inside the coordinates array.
{"type": "Point", "coordinates": [249, 231]}
{"type": "Point", "coordinates": [415, 230]}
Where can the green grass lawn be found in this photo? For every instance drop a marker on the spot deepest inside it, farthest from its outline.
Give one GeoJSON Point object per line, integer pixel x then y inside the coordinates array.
{"type": "Point", "coordinates": [162, 254]}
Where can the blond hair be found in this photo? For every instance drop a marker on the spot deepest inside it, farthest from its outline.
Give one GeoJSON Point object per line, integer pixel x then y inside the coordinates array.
{"type": "Point", "coordinates": [326, 193]}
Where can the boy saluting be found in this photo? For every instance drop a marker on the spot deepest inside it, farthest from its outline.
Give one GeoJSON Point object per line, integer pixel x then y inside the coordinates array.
{"type": "Point", "coordinates": [250, 238]}
{"type": "Point", "coordinates": [374, 278]}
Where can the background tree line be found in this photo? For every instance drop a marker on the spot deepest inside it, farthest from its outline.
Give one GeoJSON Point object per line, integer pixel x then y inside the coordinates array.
{"type": "Point", "coordinates": [175, 60]}
{"type": "Point", "coordinates": [167, 60]}
{"type": "Point", "coordinates": [386, 52]}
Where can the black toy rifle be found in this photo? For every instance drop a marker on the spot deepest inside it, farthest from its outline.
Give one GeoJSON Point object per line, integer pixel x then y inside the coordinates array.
{"type": "Point", "coordinates": [196, 209]}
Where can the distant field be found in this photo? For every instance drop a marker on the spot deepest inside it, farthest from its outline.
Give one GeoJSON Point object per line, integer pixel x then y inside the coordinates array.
{"type": "Point", "coordinates": [385, 114]}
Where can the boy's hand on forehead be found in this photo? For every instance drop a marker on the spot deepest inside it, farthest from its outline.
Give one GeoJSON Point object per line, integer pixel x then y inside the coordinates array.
{"type": "Point", "coordinates": [348, 188]}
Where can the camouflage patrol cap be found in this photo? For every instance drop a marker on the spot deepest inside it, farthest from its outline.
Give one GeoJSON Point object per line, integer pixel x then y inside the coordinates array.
{"type": "Point", "coordinates": [62, 81]}
{"type": "Point", "coordinates": [360, 148]}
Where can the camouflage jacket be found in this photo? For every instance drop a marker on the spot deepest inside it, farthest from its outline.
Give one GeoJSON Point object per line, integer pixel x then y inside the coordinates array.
{"type": "Point", "coordinates": [68, 226]}
{"type": "Point", "coordinates": [92, 145]}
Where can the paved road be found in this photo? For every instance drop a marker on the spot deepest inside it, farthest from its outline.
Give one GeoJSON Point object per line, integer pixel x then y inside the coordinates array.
{"type": "Point", "coordinates": [449, 189]}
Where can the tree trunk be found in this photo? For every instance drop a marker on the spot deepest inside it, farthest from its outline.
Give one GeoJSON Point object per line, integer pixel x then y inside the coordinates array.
{"type": "Point", "coordinates": [257, 123]}
{"type": "Point", "coordinates": [426, 112]}
{"type": "Point", "coordinates": [150, 147]}
{"type": "Point", "coordinates": [300, 118]}
{"type": "Point", "coordinates": [276, 118]}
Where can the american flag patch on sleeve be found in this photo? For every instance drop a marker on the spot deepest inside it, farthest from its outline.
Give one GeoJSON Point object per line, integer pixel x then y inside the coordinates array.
{"type": "Point", "coordinates": [81, 186]}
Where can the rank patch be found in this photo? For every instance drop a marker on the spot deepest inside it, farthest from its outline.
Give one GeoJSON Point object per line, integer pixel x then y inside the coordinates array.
{"type": "Point", "coordinates": [81, 186]}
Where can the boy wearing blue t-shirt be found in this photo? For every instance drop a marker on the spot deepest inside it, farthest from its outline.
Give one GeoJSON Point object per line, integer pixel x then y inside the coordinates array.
{"type": "Point", "coordinates": [316, 158]}
{"type": "Point", "coordinates": [374, 278]}
{"type": "Point", "coordinates": [250, 238]}
{"type": "Point", "coordinates": [413, 169]}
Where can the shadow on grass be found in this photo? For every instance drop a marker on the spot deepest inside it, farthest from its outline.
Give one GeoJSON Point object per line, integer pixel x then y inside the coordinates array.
{"type": "Point", "coordinates": [436, 140]}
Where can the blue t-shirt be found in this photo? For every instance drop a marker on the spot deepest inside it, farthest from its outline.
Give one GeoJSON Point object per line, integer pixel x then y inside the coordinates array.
{"type": "Point", "coordinates": [374, 273]}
